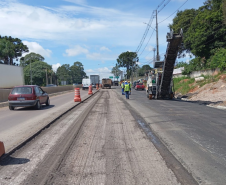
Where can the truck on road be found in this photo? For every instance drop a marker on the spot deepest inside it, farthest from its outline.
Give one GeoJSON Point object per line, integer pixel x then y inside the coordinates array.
{"type": "Point", "coordinates": [106, 82]}
{"type": "Point", "coordinates": [95, 79]}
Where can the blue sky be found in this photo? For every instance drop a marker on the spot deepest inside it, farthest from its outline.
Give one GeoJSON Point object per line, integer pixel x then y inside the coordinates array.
{"type": "Point", "coordinates": [92, 32]}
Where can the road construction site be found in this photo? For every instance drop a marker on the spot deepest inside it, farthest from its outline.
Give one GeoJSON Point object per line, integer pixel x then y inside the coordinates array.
{"type": "Point", "coordinates": [107, 139]}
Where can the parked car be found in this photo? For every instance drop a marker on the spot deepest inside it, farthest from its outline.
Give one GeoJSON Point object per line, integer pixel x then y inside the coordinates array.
{"type": "Point", "coordinates": [134, 84]}
{"type": "Point", "coordinates": [139, 86]}
{"type": "Point", "coordinates": [51, 85]}
{"type": "Point", "coordinates": [28, 96]}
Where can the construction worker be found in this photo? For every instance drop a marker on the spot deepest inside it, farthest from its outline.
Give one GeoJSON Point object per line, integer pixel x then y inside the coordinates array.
{"type": "Point", "coordinates": [126, 89]}
{"type": "Point", "coordinates": [122, 85]}
{"type": "Point", "coordinates": [130, 86]}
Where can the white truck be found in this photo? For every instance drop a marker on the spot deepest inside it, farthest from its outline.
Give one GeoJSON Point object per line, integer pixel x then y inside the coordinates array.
{"type": "Point", "coordinates": [11, 76]}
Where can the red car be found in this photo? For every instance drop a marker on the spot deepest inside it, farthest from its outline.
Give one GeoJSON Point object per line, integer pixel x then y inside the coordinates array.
{"type": "Point", "coordinates": [139, 86]}
{"type": "Point", "coordinates": [28, 96]}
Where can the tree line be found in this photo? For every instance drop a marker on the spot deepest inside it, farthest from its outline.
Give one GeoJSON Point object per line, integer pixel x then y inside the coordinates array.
{"type": "Point", "coordinates": [43, 74]}
{"type": "Point", "coordinates": [204, 36]}
{"type": "Point", "coordinates": [36, 70]}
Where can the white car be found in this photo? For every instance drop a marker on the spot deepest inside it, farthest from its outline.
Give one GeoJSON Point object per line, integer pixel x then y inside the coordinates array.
{"type": "Point", "coordinates": [86, 83]}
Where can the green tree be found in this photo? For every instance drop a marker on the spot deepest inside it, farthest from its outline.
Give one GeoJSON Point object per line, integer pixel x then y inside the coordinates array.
{"type": "Point", "coordinates": [128, 60]}
{"type": "Point", "coordinates": [7, 50]}
{"type": "Point", "coordinates": [116, 71]}
{"type": "Point", "coordinates": [144, 69]}
{"type": "Point", "coordinates": [77, 72]}
{"type": "Point", "coordinates": [38, 70]}
{"type": "Point", "coordinates": [30, 58]}
{"type": "Point", "coordinates": [63, 73]}
{"type": "Point", "coordinates": [207, 31]}
{"type": "Point", "coordinates": [183, 20]}
{"type": "Point", "coordinates": [218, 60]}
{"type": "Point", "coordinates": [19, 48]}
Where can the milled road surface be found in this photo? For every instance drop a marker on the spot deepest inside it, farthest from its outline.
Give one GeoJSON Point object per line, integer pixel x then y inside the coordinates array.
{"type": "Point", "coordinates": [194, 133]}
{"type": "Point", "coordinates": [17, 125]}
{"type": "Point", "coordinates": [98, 143]}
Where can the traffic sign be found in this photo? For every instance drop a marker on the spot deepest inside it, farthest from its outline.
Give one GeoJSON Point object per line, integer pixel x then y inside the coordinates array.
{"type": "Point", "coordinates": [110, 76]}
{"type": "Point", "coordinates": [117, 77]}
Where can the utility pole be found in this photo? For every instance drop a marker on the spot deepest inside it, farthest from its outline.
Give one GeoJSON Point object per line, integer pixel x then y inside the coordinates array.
{"type": "Point", "coordinates": [154, 54]}
{"type": "Point", "coordinates": [46, 77]}
{"type": "Point", "coordinates": [157, 38]}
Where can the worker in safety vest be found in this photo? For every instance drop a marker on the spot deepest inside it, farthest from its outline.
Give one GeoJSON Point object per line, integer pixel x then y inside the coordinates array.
{"type": "Point", "coordinates": [122, 85]}
{"type": "Point", "coordinates": [126, 89]}
{"type": "Point", "coordinates": [129, 87]}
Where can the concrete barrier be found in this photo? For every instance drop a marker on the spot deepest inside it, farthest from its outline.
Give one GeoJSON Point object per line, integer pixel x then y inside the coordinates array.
{"type": "Point", "coordinates": [4, 93]}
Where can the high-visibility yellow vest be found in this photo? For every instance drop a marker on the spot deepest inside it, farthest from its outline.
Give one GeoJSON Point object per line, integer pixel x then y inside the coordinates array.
{"type": "Point", "coordinates": [122, 85]}
{"type": "Point", "coordinates": [126, 88]}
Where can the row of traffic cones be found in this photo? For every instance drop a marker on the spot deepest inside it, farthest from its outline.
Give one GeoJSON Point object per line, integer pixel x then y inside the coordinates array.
{"type": "Point", "coordinates": [77, 97]}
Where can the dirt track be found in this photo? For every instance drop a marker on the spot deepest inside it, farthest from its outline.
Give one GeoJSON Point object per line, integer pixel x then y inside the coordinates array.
{"type": "Point", "coordinates": [110, 148]}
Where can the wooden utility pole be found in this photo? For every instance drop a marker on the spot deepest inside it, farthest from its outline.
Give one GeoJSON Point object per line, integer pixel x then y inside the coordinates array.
{"type": "Point", "coordinates": [157, 38]}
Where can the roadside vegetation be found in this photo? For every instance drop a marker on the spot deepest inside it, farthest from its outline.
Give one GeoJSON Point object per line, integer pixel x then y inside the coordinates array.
{"type": "Point", "coordinates": [185, 85]}
{"type": "Point", "coordinates": [204, 37]}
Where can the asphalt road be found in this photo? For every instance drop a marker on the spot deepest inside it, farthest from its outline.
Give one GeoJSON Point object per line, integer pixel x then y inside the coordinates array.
{"type": "Point", "coordinates": [194, 133]}
{"type": "Point", "coordinates": [17, 125]}
{"type": "Point", "coordinates": [98, 142]}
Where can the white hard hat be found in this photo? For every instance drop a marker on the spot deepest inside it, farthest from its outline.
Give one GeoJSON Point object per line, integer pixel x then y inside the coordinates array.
{"type": "Point", "coordinates": [126, 81]}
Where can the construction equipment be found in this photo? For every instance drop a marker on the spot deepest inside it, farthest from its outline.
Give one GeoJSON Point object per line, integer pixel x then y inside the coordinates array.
{"type": "Point", "coordinates": [106, 82]}
{"type": "Point", "coordinates": [160, 81]}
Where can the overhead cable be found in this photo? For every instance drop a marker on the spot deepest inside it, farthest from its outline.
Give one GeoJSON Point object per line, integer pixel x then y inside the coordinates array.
{"type": "Point", "coordinates": [147, 43]}
{"type": "Point", "coordinates": [173, 12]}
{"type": "Point", "coordinates": [164, 5]}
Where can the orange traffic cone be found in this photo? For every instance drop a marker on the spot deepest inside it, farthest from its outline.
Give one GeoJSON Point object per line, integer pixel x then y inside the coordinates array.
{"type": "Point", "coordinates": [90, 90]}
{"type": "Point", "coordinates": [2, 148]}
{"type": "Point", "coordinates": [77, 97]}
{"type": "Point", "coordinates": [97, 87]}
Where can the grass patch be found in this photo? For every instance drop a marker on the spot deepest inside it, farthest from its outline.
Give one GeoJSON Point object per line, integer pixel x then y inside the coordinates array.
{"type": "Point", "coordinates": [209, 79]}
{"type": "Point", "coordinates": [183, 84]}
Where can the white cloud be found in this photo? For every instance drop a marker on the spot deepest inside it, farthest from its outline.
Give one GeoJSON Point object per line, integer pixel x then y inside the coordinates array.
{"type": "Point", "coordinates": [37, 48]}
{"type": "Point", "coordinates": [104, 70]}
{"type": "Point", "coordinates": [55, 66]}
{"type": "Point", "coordinates": [103, 48]}
{"type": "Point", "coordinates": [76, 50]}
{"type": "Point", "coordinates": [77, 1]}
{"type": "Point", "coordinates": [68, 23]}
{"type": "Point", "coordinates": [89, 71]}
{"type": "Point", "coordinates": [149, 48]}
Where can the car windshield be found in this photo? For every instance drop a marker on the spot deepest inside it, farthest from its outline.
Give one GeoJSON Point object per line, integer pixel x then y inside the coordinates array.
{"type": "Point", "coordinates": [139, 83]}
{"type": "Point", "coordinates": [22, 90]}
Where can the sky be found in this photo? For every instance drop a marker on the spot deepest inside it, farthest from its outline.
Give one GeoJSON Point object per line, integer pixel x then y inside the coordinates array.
{"type": "Point", "coordinates": [93, 32]}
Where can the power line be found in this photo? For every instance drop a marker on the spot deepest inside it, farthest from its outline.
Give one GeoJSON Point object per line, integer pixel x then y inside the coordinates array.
{"type": "Point", "coordinates": [160, 4]}
{"type": "Point", "coordinates": [173, 12]}
{"type": "Point", "coordinates": [145, 33]}
{"type": "Point", "coordinates": [164, 5]}
{"type": "Point", "coordinates": [147, 43]}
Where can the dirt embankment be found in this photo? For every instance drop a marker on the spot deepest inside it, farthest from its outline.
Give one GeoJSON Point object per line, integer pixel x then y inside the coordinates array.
{"type": "Point", "coordinates": [213, 94]}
